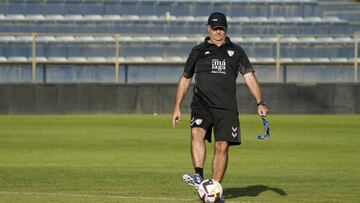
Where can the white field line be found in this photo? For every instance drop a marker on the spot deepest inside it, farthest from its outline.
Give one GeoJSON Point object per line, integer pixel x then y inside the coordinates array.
{"type": "Point", "coordinates": [93, 196]}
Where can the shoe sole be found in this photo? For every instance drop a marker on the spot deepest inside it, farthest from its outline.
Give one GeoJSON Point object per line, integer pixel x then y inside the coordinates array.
{"type": "Point", "coordinates": [188, 180]}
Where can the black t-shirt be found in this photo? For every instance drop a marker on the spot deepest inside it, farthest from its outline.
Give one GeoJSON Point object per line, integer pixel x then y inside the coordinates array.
{"type": "Point", "coordinates": [216, 71]}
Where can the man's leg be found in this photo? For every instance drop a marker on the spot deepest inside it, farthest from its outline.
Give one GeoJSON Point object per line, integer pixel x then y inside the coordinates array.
{"type": "Point", "coordinates": [198, 147]}
{"type": "Point", "coordinates": [198, 154]}
{"type": "Point", "coordinates": [220, 160]}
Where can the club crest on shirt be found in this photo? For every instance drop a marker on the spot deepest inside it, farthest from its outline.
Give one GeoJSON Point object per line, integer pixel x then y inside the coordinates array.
{"type": "Point", "coordinates": [230, 52]}
{"type": "Point", "coordinates": [218, 66]}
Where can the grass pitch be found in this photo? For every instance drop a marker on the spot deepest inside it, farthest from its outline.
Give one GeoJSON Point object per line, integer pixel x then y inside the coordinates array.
{"type": "Point", "coordinates": [137, 158]}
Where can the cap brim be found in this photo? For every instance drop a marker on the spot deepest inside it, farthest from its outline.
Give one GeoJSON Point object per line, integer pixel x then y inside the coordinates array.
{"type": "Point", "coordinates": [216, 26]}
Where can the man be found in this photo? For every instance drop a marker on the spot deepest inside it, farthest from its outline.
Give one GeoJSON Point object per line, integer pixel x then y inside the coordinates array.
{"type": "Point", "coordinates": [216, 63]}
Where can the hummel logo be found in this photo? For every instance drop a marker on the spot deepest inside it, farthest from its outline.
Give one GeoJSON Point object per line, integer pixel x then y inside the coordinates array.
{"type": "Point", "coordinates": [234, 132]}
{"type": "Point", "coordinates": [207, 52]}
{"type": "Point", "coordinates": [192, 121]}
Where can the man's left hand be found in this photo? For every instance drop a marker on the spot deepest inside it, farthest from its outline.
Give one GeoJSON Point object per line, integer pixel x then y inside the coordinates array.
{"type": "Point", "coordinates": [262, 110]}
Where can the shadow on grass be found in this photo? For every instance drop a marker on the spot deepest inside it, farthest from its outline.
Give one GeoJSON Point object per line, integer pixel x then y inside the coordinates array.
{"type": "Point", "coordinates": [251, 191]}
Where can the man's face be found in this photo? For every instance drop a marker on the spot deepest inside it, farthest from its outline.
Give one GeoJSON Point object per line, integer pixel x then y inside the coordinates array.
{"type": "Point", "coordinates": [217, 34]}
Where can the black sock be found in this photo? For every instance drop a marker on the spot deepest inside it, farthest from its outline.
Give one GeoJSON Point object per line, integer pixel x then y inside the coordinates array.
{"type": "Point", "coordinates": [199, 171]}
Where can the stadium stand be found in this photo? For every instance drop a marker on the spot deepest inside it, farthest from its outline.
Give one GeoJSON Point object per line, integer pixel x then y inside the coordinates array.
{"type": "Point", "coordinates": [157, 33]}
{"type": "Point", "coordinates": [176, 7]}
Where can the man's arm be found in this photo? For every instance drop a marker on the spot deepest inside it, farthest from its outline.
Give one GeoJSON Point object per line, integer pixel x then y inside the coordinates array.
{"type": "Point", "coordinates": [254, 88]}
{"type": "Point", "coordinates": [183, 85]}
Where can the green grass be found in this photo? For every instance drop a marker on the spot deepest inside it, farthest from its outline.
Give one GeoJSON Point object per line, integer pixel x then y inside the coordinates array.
{"type": "Point", "coordinates": [136, 158]}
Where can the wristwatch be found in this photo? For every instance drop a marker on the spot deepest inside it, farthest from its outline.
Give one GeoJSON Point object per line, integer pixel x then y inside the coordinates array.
{"type": "Point", "coordinates": [262, 103]}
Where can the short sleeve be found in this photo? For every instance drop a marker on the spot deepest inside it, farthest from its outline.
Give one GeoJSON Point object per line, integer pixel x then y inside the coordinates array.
{"type": "Point", "coordinates": [244, 63]}
{"type": "Point", "coordinates": [189, 69]}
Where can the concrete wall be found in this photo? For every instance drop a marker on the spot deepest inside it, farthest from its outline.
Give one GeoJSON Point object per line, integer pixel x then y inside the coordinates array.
{"type": "Point", "coordinates": [152, 98]}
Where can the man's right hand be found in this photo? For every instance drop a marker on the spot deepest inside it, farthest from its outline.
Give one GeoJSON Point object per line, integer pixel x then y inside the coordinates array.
{"type": "Point", "coordinates": [180, 94]}
{"type": "Point", "coordinates": [176, 117]}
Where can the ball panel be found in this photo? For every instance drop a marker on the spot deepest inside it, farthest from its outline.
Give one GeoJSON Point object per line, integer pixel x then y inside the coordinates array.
{"type": "Point", "coordinates": [210, 190]}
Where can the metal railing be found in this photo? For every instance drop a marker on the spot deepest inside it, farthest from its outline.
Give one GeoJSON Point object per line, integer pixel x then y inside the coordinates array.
{"type": "Point", "coordinates": [116, 40]}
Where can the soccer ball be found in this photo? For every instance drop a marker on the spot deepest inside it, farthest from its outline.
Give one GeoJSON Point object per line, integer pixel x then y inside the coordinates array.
{"type": "Point", "coordinates": [210, 190]}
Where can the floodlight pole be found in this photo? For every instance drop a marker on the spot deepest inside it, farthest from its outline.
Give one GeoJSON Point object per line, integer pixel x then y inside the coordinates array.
{"type": "Point", "coordinates": [117, 60]}
{"type": "Point", "coordinates": [33, 59]}
{"type": "Point", "coordinates": [356, 54]}
{"type": "Point", "coordinates": [278, 58]}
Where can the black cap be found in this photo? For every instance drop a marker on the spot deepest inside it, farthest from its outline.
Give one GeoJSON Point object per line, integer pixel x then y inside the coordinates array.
{"type": "Point", "coordinates": [217, 19]}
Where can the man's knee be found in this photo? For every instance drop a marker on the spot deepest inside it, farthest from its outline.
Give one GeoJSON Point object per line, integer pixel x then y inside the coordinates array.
{"type": "Point", "coordinates": [198, 133]}
{"type": "Point", "coordinates": [221, 146]}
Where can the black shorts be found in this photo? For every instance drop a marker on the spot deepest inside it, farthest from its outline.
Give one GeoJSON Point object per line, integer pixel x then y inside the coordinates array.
{"type": "Point", "coordinates": [224, 122]}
